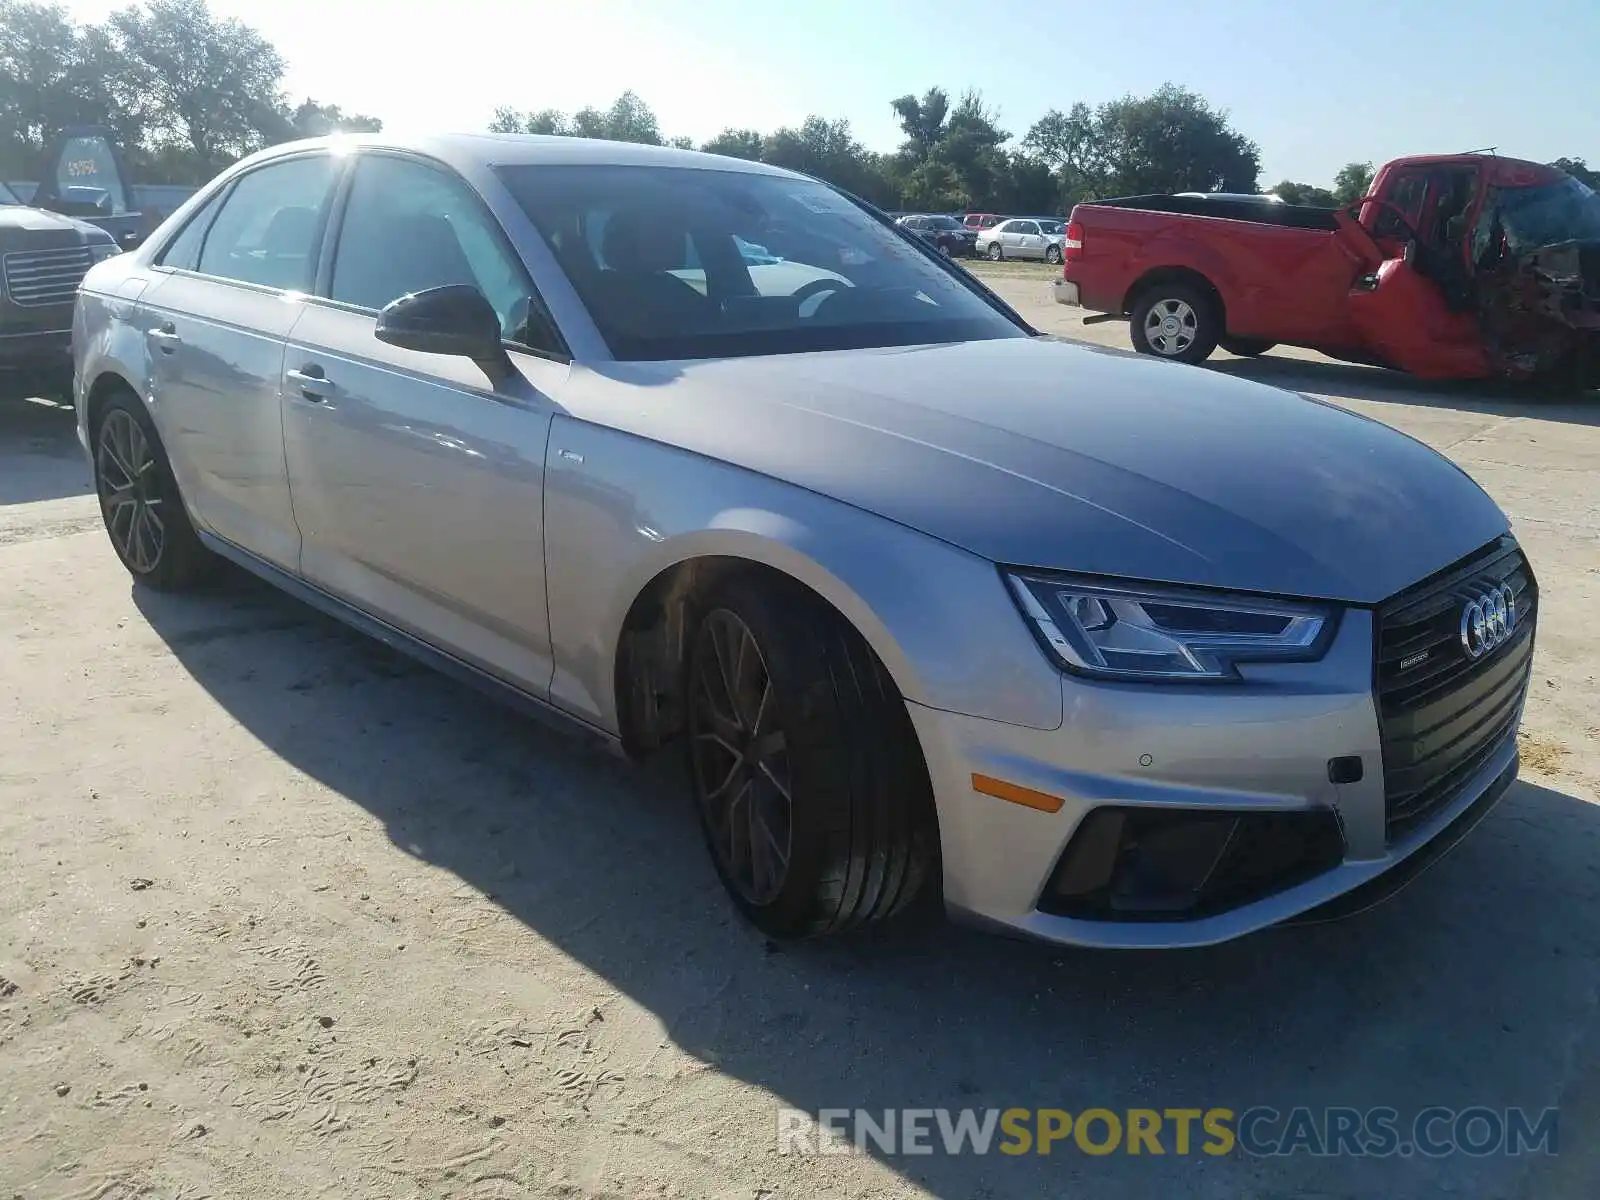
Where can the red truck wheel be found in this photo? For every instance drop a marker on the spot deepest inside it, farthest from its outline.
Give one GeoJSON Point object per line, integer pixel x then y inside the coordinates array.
{"type": "Point", "coordinates": [1176, 321]}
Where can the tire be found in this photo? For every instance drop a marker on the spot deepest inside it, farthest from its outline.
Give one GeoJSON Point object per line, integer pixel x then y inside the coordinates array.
{"type": "Point", "coordinates": [140, 503]}
{"type": "Point", "coordinates": [857, 833]}
{"type": "Point", "coordinates": [996, 254]}
{"type": "Point", "coordinates": [1246, 347]}
{"type": "Point", "coordinates": [1196, 324]}
{"type": "Point", "coordinates": [944, 249]}
{"type": "Point", "coordinates": [1052, 255]}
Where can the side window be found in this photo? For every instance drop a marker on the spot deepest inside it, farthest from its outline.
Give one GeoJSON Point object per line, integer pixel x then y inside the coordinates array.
{"type": "Point", "coordinates": [1406, 195]}
{"type": "Point", "coordinates": [266, 232]}
{"type": "Point", "coordinates": [1027, 227]}
{"type": "Point", "coordinates": [182, 253]}
{"type": "Point", "coordinates": [408, 227]}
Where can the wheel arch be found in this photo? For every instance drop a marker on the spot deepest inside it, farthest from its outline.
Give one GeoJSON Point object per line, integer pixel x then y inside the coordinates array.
{"type": "Point", "coordinates": [652, 633]}
{"type": "Point", "coordinates": [109, 382]}
{"type": "Point", "coordinates": [1157, 276]}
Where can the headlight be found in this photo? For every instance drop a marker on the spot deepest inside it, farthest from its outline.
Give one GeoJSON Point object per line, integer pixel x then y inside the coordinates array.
{"type": "Point", "coordinates": [1135, 631]}
{"type": "Point", "coordinates": [100, 251]}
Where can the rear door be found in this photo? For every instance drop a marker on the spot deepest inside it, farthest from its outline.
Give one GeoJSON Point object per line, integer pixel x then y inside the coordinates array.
{"type": "Point", "coordinates": [418, 481]}
{"type": "Point", "coordinates": [229, 287]}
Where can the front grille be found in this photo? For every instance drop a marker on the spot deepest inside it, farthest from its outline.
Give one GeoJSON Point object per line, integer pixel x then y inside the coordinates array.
{"type": "Point", "coordinates": [1441, 713]}
{"type": "Point", "coordinates": [35, 278]}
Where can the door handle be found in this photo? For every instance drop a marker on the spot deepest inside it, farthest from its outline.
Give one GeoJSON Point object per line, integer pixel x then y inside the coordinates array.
{"type": "Point", "coordinates": [166, 337]}
{"type": "Point", "coordinates": [312, 383]}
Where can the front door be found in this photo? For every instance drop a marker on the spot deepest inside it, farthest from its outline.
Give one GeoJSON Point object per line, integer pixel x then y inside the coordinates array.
{"type": "Point", "coordinates": [418, 482]}
{"type": "Point", "coordinates": [1417, 310]}
{"type": "Point", "coordinates": [228, 290]}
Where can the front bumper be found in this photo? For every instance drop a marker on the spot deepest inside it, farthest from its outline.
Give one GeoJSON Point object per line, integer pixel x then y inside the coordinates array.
{"type": "Point", "coordinates": [37, 350]}
{"type": "Point", "coordinates": [1261, 748]}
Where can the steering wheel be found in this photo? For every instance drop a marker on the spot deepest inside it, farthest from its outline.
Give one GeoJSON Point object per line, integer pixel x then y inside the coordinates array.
{"type": "Point", "coordinates": [816, 288]}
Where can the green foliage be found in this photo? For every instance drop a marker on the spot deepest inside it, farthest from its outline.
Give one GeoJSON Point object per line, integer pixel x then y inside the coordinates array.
{"type": "Point", "coordinates": [1352, 182]}
{"type": "Point", "coordinates": [1304, 193]}
{"type": "Point", "coordinates": [629, 119]}
{"type": "Point", "coordinates": [186, 92]}
{"type": "Point", "coordinates": [1579, 170]}
{"type": "Point", "coordinates": [736, 143]}
{"type": "Point", "coordinates": [1169, 141]}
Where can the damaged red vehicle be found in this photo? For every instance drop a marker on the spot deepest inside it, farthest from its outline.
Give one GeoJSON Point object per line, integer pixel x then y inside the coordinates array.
{"type": "Point", "coordinates": [1467, 266]}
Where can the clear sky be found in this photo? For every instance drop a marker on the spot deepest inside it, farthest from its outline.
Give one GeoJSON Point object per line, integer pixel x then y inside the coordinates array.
{"type": "Point", "coordinates": [1315, 84]}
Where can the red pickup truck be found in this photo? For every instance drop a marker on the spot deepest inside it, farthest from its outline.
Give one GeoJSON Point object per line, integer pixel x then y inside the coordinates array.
{"type": "Point", "coordinates": [1464, 266]}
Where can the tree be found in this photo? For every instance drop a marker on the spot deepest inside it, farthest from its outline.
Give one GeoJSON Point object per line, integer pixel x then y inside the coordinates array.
{"type": "Point", "coordinates": [548, 120]}
{"type": "Point", "coordinates": [1169, 141]}
{"type": "Point", "coordinates": [829, 151]}
{"type": "Point", "coordinates": [1352, 182]}
{"type": "Point", "coordinates": [629, 119]}
{"type": "Point", "coordinates": [209, 85]}
{"type": "Point", "coordinates": [1579, 170]}
{"type": "Point", "coordinates": [311, 119]}
{"type": "Point", "coordinates": [51, 77]}
{"type": "Point", "coordinates": [922, 120]}
{"type": "Point", "coordinates": [1304, 193]}
{"type": "Point", "coordinates": [736, 143]}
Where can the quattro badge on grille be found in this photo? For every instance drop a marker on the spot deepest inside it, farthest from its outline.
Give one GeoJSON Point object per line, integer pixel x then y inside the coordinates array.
{"type": "Point", "coordinates": [1488, 620]}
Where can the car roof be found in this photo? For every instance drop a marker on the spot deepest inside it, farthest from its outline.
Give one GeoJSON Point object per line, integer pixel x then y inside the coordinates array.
{"type": "Point", "coordinates": [1505, 172]}
{"type": "Point", "coordinates": [468, 150]}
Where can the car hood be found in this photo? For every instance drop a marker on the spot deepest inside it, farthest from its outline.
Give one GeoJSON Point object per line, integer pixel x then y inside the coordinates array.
{"type": "Point", "coordinates": [21, 226]}
{"type": "Point", "coordinates": [1038, 452]}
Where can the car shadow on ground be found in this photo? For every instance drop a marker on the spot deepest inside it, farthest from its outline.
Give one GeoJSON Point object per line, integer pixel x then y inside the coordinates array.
{"type": "Point", "coordinates": [40, 458]}
{"type": "Point", "coordinates": [1463, 990]}
{"type": "Point", "coordinates": [1380, 386]}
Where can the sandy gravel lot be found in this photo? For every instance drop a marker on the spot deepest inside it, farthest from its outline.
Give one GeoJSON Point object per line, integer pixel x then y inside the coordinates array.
{"type": "Point", "coordinates": [282, 915]}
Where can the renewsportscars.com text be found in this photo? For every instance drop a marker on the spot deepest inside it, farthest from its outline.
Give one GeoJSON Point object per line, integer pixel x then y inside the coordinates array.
{"type": "Point", "coordinates": [1259, 1131]}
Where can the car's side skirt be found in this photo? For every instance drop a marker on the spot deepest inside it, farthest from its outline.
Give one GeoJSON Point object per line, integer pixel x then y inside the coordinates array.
{"type": "Point", "coordinates": [408, 644]}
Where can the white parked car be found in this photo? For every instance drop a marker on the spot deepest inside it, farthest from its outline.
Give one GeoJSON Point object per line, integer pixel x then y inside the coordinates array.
{"type": "Point", "coordinates": [1023, 237]}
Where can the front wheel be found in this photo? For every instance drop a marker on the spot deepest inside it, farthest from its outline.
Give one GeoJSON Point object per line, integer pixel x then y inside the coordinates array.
{"type": "Point", "coordinates": [140, 503]}
{"type": "Point", "coordinates": [995, 253]}
{"type": "Point", "coordinates": [810, 785]}
{"type": "Point", "coordinates": [1176, 321]}
{"type": "Point", "coordinates": [1052, 255]}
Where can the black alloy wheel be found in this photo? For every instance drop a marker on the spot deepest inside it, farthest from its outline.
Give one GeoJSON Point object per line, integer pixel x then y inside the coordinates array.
{"type": "Point", "coordinates": [740, 757]}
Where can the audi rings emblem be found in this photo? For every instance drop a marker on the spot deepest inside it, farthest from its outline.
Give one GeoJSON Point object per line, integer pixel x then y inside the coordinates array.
{"type": "Point", "coordinates": [1488, 620]}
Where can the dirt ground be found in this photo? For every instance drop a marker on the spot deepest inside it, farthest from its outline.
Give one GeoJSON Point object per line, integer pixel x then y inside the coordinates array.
{"type": "Point", "coordinates": [284, 916]}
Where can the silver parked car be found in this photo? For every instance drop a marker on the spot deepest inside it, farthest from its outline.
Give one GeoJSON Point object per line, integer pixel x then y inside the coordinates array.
{"type": "Point", "coordinates": [1041, 239]}
{"type": "Point", "coordinates": [1109, 651]}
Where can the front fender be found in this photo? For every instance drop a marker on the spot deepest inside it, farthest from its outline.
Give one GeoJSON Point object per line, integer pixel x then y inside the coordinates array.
{"type": "Point", "coordinates": [621, 509]}
{"type": "Point", "coordinates": [106, 340]}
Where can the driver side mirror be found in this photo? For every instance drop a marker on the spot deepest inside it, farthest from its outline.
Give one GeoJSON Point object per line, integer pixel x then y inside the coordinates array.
{"type": "Point", "coordinates": [457, 320]}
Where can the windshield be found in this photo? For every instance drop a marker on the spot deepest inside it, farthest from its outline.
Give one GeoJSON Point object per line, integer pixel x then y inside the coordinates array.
{"type": "Point", "coordinates": [658, 256]}
{"type": "Point", "coordinates": [1538, 216]}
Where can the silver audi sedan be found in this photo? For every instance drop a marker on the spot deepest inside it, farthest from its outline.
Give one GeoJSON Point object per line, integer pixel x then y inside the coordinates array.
{"type": "Point", "coordinates": [1102, 650]}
